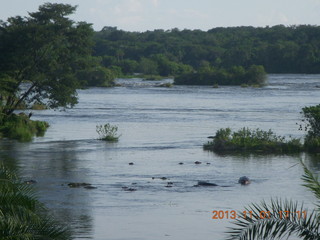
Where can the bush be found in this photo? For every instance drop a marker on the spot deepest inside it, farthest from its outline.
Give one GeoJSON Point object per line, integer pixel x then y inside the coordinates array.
{"type": "Point", "coordinates": [311, 120]}
{"type": "Point", "coordinates": [311, 124]}
{"type": "Point", "coordinates": [21, 128]}
{"type": "Point", "coordinates": [312, 144]}
{"type": "Point", "coordinates": [108, 132]}
{"type": "Point", "coordinates": [247, 140]}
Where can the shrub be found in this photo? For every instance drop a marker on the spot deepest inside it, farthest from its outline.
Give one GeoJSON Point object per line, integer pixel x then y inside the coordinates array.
{"type": "Point", "coordinates": [21, 128]}
{"type": "Point", "coordinates": [311, 120]}
{"type": "Point", "coordinates": [108, 132]}
{"type": "Point", "coordinates": [312, 144]}
{"type": "Point", "coordinates": [247, 140]}
{"type": "Point", "coordinates": [311, 124]}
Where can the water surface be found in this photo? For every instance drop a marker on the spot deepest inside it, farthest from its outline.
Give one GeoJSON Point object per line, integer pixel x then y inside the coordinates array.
{"type": "Point", "coordinates": [159, 128]}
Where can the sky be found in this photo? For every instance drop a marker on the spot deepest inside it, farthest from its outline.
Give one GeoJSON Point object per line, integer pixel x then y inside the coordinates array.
{"type": "Point", "coordinates": [143, 15]}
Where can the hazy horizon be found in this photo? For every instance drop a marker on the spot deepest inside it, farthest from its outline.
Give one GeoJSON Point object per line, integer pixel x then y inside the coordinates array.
{"type": "Point", "coordinates": [144, 15]}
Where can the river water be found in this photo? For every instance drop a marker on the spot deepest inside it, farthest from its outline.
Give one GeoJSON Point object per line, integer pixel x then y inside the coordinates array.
{"type": "Point", "coordinates": [161, 127]}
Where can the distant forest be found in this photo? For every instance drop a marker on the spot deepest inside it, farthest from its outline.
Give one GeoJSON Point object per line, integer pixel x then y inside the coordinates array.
{"type": "Point", "coordinates": [279, 49]}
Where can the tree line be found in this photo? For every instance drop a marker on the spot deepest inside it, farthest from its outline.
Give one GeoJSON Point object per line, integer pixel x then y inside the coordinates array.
{"type": "Point", "coordinates": [279, 49]}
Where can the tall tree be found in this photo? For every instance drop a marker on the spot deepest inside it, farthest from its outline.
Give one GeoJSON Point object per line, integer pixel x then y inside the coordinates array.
{"type": "Point", "coordinates": [40, 55]}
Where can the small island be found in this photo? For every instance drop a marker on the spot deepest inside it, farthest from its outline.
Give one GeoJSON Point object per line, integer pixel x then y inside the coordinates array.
{"type": "Point", "coordinates": [248, 140]}
{"type": "Point", "coordinates": [253, 76]}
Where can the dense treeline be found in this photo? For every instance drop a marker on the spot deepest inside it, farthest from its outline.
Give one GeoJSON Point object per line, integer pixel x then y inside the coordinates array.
{"type": "Point", "coordinates": [280, 49]}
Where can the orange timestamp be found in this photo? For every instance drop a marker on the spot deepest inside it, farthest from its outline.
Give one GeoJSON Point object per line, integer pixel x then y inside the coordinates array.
{"type": "Point", "coordinates": [232, 214]}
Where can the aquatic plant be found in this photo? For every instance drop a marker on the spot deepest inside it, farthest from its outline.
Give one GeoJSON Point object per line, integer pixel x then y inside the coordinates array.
{"type": "Point", "coordinates": [256, 140]}
{"type": "Point", "coordinates": [22, 216]}
{"type": "Point", "coordinates": [108, 132]}
{"type": "Point", "coordinates": [280, 218]}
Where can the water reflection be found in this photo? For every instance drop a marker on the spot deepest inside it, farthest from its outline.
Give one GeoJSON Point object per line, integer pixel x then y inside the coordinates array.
{"type": "Point", "coordinates": [53, 166]}
{"type": "Point", "coordinates": [312, 161]}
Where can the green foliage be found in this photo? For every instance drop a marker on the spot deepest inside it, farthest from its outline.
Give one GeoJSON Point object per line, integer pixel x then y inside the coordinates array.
{"type": "Point", "coordinates": [46, 50]}
{"type": "Point", "coordinates": [148, 66]}
{"type": "Point", "coordinates": [311, 124]}
{"type": "Point", "coordinates": [312, 120]}
{"type": "Point", "coordinates": [269, 221]}
{"type": "Point", "coordinates": [279, 49]}
{"type": "Point", "coordinates": [247, 140]}
{"type": "Point", "coordinates": [275, 223]}
{"type": "Point", "coordinates": [98, 77]}
{"type": "Point", "coordinates": [312, 144]}
{"type": "Point", "coordinates": [237, 75]}
{"type": "Point", "coordinates": [38, 106]}
{"type": "Point", "coordinates": [21, 128]}
{"type": "Point", "coordinates": [22, 216]}
{"type": "Point", "coordinates": [108, 132]}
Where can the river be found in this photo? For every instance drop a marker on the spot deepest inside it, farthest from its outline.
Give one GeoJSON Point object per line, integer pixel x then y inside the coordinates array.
{"type": "Point", "coordinates": [161, 127]}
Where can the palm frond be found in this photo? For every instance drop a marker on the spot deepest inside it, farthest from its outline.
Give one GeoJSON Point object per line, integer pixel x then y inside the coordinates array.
{"type": "Point", "coordinates": [279, 219]}
{"type": "Point", "coordinates": [311, 181]}
{"type": "Point", "coordinates": [22, 216]}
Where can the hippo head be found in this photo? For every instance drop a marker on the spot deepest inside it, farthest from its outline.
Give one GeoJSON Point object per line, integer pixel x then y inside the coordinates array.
{"type": "Point", "coordinates": [244, 180]}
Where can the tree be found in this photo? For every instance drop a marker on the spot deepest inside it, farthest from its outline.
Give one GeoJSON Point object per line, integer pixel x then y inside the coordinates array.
{"type": "Point", "coordinates": [40, 56]}
{"type": "Point", "coordinates": [280, 218]}
{"type": "Point", "coordinates": [312, 120]}
{"type": "Point", "coordinates": [312, 126]}
{"type": "Point", "coordinates": [148, 66]}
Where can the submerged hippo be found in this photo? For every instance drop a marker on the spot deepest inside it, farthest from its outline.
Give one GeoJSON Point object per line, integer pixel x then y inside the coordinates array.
{"type": "Point", "coordinates": [244, 180]}
{"type": "Point", "coordinates": [205, 184]}
{"type": "Point", "coordinates": [30, 182]}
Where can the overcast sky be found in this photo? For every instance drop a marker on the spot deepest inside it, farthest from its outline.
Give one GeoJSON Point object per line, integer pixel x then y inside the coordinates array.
{"type": "Point", "coordinates": [142, 15]}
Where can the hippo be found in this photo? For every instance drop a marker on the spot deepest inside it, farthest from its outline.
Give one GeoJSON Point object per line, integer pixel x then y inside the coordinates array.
{"type": "Point", "coordinates": [79, 185]}
{"type": "Point", "coordinates": [244, 180]}
{"type": "Point", "coordinates": [205, 184]}
{"type": "Point", "coordinates": [30, 182]}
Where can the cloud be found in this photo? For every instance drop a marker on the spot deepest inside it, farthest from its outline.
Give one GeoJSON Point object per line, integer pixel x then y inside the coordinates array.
{"type": "Point", "coordinates": [155, 3]}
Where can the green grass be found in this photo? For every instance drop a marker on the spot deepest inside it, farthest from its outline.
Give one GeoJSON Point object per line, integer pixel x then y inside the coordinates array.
{"type": "Point", "coordinates": [253, 141]}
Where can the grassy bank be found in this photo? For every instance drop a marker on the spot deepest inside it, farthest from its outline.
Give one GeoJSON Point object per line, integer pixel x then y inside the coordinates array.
{"type": "Point", "coordinates": [21, 128]}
